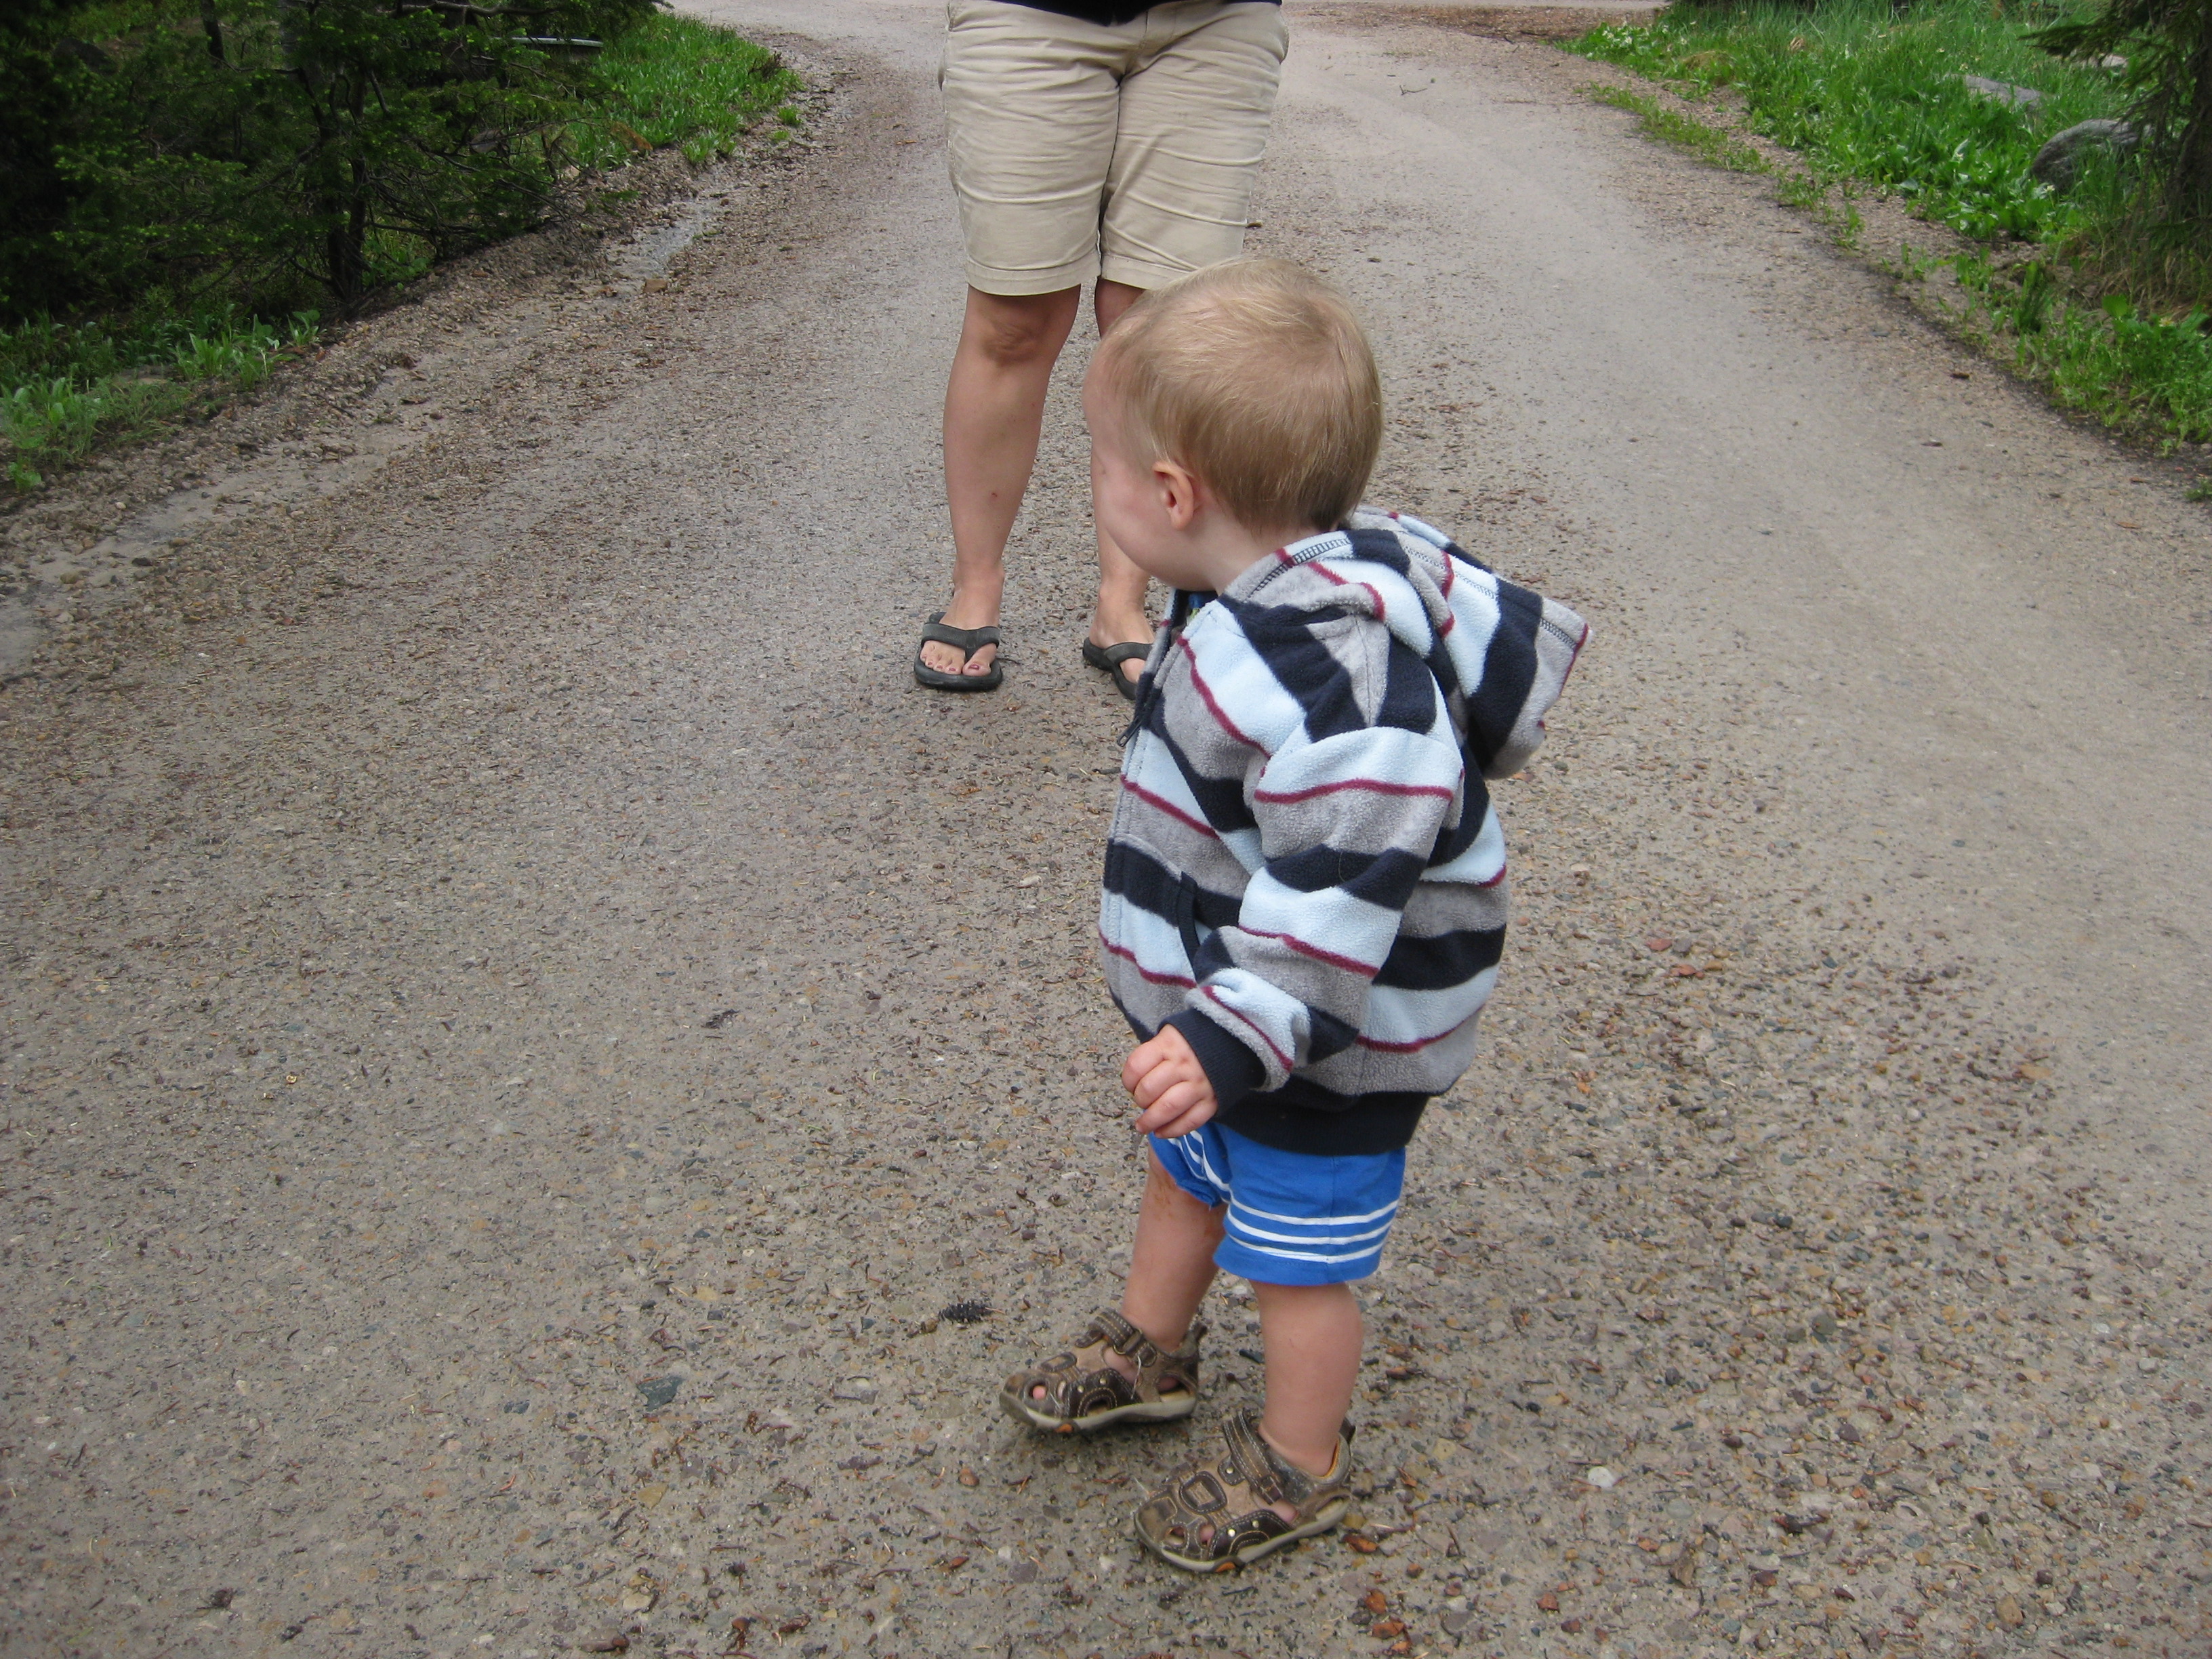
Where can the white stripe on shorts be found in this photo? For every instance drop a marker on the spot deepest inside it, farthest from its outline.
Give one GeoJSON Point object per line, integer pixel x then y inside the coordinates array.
{"type": "Point", "coordinates": [1247, 1231]}
{"type": "Point", "coordinates": [1391, 1208]}
{"type": "Point", "coordinates": [1310, 1255]}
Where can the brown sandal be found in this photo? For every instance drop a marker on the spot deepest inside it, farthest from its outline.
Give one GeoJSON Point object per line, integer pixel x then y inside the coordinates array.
{"type": "Point", "coordinates": [1218, 1513]}
{"type": "Point", "coordinates": [1083, 1391]}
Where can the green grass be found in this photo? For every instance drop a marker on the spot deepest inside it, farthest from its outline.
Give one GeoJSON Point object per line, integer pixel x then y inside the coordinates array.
{"type": "Point", "coordinates": [1875, 99]}
{"type": "Point", "coordinates": [1864, 93]}
{"type": "Point", "coordinates": [67, 389]}
{"type": "Point", "coordinates": [2151, 375]}
{"type": "Point", "coordinates": [675, 81]}
{"type": "Point", "coordinates": [1709, 144]}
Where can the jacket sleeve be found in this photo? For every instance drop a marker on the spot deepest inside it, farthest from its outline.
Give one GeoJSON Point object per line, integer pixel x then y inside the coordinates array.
{"type": "Point", "coordinates": [1347, 828]}
{"type": "Point", "coordinates": [1531, 651]}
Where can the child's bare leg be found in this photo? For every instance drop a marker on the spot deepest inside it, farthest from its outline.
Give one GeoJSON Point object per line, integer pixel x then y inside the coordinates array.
{"type": "Point", "coordinates": [1170, 1266]}
{"type": "Point", "coordinates": [1313, 1334]}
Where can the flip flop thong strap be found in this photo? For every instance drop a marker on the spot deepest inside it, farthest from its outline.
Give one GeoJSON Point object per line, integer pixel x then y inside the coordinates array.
{"type": "Point", "coordinates": [969, 639]}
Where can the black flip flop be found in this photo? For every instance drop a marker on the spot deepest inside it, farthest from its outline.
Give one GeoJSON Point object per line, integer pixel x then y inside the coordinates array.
{"type": "Point", "coordinates": [1108, 660]}
{"type": "Point", "coordinates": [969, 641]}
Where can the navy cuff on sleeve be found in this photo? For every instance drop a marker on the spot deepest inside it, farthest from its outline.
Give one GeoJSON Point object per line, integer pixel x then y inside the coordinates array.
{"type": "Point", "coordinates": [1233, 1070]}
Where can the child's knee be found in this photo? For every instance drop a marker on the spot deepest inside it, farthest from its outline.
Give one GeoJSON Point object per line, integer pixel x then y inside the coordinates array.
{"type": "Point", "coordinates": [1164, 1189]}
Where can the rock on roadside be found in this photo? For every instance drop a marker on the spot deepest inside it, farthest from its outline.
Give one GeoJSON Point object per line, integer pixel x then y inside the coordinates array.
{"type": "Point", "coordinates": [2027, 99]}
{"type": "Point", "coordinates": [2059, 163]}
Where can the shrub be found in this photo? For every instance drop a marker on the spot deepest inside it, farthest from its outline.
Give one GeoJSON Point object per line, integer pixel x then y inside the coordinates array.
{"type": "Point", "coordinates": [282, 149]}
{"type": "Point", "coordinates": [2167, 44]}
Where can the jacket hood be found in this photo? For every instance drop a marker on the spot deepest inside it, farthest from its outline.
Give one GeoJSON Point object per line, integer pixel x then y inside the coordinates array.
{"type": "Point", "coordinates": [1501, 653]}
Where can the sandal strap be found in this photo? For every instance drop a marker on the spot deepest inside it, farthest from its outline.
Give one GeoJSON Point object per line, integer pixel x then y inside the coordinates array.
{"type": "Point", "coordinates": [1251, 1462]}
{"type": "Point", "coordinates": [1108, 1326]}
{"type": "Point", "coordinates": [1075, 1391]}
{"type": "Point", "coordinates": [1154, 1364]}
{"type": "Point", "coordinates": [1115, 655]}
{"type": "Point", "coordinates": [1234, 1493]}
{"type": "Point", "coordinates": [969, 639]}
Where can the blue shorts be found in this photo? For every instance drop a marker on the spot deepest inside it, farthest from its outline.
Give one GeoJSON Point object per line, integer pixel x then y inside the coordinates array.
{"type": "Point", "coordinates": [1294, 1218]}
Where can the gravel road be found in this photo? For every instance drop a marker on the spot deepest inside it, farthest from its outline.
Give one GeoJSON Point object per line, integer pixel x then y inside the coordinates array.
{"type": "Point", "coordinates": [521, 1019]}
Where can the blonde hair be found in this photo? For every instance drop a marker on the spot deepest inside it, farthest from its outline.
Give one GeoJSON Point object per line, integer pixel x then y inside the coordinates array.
{"type": "Point", "coordinates": [1256, 376]}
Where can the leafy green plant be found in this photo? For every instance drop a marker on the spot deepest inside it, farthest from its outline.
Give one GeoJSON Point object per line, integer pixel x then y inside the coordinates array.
{"type": "Point", "coordinates": [675, 81]}
{"type": "Point", "coordinates": [244, 357]}
{"type": "Point", "coordinates": [1864, 91]}
{"type": "Point", "coordinates": [1873, 95]}
{"type": "Point", "coordinates": [66, 389]}
{"type": "Point", "coordinates": [1709, 144]}
{"type": "Point", "coordinates": [2146, 376]}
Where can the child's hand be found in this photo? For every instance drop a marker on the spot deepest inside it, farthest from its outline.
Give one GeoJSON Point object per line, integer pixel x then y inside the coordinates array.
{"type": "Point", "coordinates": [1168, 1085]}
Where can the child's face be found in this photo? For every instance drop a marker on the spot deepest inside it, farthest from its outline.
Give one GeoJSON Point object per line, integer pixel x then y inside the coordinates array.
{"type": "Point", "coordinates": [1147, 508]}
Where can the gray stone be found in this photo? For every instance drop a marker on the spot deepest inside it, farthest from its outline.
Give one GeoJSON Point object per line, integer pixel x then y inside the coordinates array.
{"type": "Point", "coordinates": [2026, 99]}
{"type": "Point", "coordinates": [2059, 163]}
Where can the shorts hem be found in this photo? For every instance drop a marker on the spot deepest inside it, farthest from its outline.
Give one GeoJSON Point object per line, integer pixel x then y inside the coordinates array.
{"type": "Point", "coordinates": [1020, 284]}
{"type": "Point", "coordinates": [1147, 274]}
{"type": "Point", "coordinates": [1192, 1187]}
{"type": "Point", "coordinates": [1262, 1269]}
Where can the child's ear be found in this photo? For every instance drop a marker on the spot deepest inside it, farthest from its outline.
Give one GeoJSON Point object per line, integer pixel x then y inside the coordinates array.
{"type": "Point", "coordinates": [1178, 492]}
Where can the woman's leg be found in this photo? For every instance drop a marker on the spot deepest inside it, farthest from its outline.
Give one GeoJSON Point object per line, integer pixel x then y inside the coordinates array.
{"type": "Point", "coordinates": [1192, 124]}
{"type": "Point", "coordinates": [993, 413]}
{"type": "Point", "coordinates": [1119, 613]}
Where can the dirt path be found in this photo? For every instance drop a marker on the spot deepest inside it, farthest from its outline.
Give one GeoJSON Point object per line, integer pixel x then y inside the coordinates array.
{"type": "Point", "coordinates": [520, 1016]}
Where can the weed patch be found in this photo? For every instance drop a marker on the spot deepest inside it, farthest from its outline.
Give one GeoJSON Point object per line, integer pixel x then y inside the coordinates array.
{"type": "Point", "coordinates": [677, 81]}
{"type": "Point", "coordinates": [1711, 145]}
{"type": "Point", "coordinates": [2147, 375]}
{"type": "Point", "coordinates": [1872, 96]}
{"type": "Point", "coordinates": [67, 389]}
{"type": "Point", "coordinates": [1864, 93]}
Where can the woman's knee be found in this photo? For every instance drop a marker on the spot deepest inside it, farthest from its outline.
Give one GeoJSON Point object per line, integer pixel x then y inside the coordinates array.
{"type": "Point", "coordinates": [1018, 331]}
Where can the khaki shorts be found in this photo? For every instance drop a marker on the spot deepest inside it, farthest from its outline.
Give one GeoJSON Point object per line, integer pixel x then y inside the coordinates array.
{"type": "Point", "coordinates": [1080, 150]}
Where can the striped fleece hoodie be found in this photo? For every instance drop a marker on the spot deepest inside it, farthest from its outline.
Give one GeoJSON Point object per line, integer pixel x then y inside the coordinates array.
{"type": "Point", "coordinates": [1305, 876]}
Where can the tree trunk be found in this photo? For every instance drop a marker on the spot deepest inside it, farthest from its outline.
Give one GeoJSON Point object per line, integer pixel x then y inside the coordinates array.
{"type": "Point", "coordinates": [2190, 186]}
{"type": "Point", "coordinates": [212, 26]}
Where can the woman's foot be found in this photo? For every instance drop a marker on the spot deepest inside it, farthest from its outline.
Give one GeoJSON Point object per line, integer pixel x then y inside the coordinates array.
{"type": "Point", "coordinates": [1123, 627]}
{"type": "Point", "coordinates": [964, 613]}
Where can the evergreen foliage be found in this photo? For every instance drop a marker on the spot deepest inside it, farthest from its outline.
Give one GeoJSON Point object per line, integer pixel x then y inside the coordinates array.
{"type": "Point", "coordinates": [278, 153]}
{"type": "Point", "coordinates": [2167, 46]}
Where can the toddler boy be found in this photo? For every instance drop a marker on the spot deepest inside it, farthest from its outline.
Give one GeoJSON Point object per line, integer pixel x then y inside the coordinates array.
{"type": "Point", "coordinates": [1304, 896]}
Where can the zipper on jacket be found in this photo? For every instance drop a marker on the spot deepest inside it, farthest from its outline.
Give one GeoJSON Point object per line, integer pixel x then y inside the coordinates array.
{"type": "Point", "coordinates": [1189, 920]}
{"type": "Point", "coordinates": [1181, 609]}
